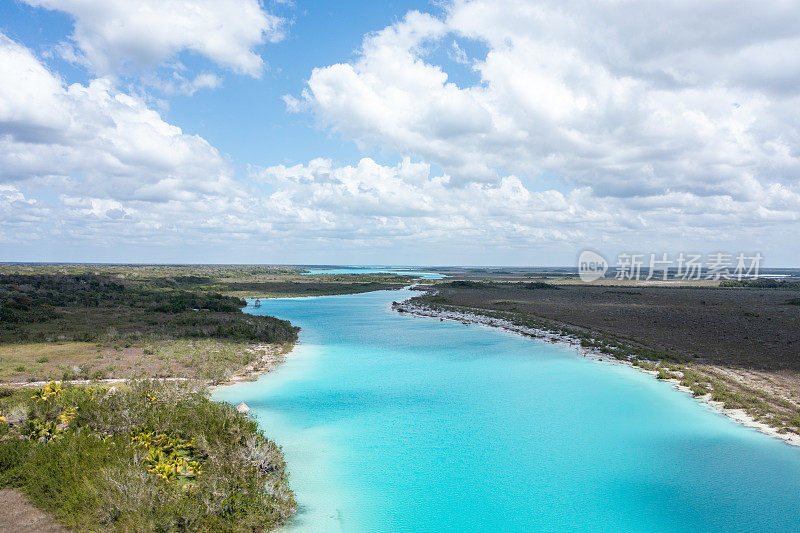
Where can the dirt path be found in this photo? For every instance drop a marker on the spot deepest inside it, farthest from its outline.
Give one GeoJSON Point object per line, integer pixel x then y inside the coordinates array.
{"type": "Point", "coordinates": [17, 515]}
{"type": "Point", "coordinates": [33, 384]}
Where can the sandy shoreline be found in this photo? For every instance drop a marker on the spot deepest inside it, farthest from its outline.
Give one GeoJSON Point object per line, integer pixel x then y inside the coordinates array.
{"type": "Point", "coordinates": [273, 356]}
{"type": "Point", "coordinates": [738, 415]}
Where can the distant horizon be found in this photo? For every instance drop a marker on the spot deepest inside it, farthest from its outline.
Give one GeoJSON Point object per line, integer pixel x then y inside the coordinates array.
{"type": "Point", "coordinates": [323, 265]}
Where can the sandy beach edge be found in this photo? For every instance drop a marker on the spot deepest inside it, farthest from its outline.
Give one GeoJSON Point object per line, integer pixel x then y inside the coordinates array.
{"type": "Point", "coordinates": [273, 356]}
{"type": "Point", "coordinates": [474, 316]}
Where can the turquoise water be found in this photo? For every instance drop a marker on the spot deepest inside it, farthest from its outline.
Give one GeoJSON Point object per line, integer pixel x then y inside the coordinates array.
{"type": "Point", "coordinates": [398, 423]}
{"type": "Point", "coordinates": [368, 270]}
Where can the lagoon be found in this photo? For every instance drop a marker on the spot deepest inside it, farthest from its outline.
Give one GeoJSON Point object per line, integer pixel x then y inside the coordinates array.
{"type": "Point", "coordinates": [391, 422]}
{"type": "Point", "coordinates": [377, 270]}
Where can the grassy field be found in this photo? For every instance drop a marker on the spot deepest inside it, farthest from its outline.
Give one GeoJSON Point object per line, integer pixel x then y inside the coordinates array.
{"type": "Point", "coordinates": [209, 360]}
{"type": "Point", "coordinates": [93, 326]}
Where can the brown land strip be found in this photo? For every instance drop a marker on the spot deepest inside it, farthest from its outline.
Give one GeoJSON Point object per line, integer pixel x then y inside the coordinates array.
{"type": "Point", "coordinates": [17, 515]}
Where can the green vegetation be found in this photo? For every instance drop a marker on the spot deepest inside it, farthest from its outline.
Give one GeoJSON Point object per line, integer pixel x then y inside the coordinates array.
{"type": "Point", "coordinates": [664, 374]}
{"type": "Point", "coordinates": [531, 285]}
{"type": "Point", "coordinates": [147, 457]}
{"type": "Point", "coordinates": [241, 281]}
{"type": "Point", "coordinates": [89, 326]}
{"type": "Point", "coordinates": [698, 382]}
{"type": "Point", "coordinates": [175, 273]}
{"type": "Point", "coordinates": [87, 308]}
{"type": "Point", "coordinates": [152, 455]}
{"type": "Point", "coordinates": [760, 283]}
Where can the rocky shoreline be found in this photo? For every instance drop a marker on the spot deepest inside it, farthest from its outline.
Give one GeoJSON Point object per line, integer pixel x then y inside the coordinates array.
{"type": "Point", "coordinates": [273, 355]}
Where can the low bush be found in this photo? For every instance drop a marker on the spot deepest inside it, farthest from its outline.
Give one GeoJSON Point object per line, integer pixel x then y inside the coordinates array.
{"type": "Point", "coordinates": [147, 457]}
{"type": "Point", "coordinates": [92, 308]}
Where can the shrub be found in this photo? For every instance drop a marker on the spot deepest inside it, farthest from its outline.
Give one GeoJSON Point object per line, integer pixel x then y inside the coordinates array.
{"type": "Point", "coordinates": [539, 285]}
{"type": "Point", "coordinates": [760, 283]}
{"type": "Point", "coordinates": [103, 460]}
{"type": "Point", "coordinates": [664, 375]}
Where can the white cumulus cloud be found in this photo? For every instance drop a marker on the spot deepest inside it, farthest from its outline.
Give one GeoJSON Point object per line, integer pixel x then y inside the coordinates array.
{"type": "Point", "coordinates": [410, 205]}
{"type": "Point", "coordinates": [114, 35]}
{"type": "Point", "coordinates": [100, 145]}
{"type": "Point", "coordinates": [602, 124]}
{"type": "Point", "coordinates": [630, 98]}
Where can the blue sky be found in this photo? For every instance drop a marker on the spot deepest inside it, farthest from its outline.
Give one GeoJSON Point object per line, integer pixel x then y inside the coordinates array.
{"type": "Point", "coordinates": [457, 132]}
{"type": "Point", "coordinates": [246, 118]}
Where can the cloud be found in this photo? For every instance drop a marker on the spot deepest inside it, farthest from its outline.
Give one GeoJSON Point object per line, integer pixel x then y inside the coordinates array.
{"type": "Point", "coordinates": [113, 36]}
{"type": "Point", "coordinates": [112, 139]}
{"type": "Point", "coordinates": [457, 54]}
{"type": "Point", "coordinates": [676, 168]}
{"type": "Point", "coordinates": [628, 98]}
{"type": "Point", "coordinates": [179, 84]}
{"type": "Point", "coordinates": [409, 205]}
{"type": "Point", "coordinates": [102, 146]}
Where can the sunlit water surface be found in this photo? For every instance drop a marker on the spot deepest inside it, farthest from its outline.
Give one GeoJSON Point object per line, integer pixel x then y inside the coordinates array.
{"type": "Point", "coordinates": [397, 423]}
{"type": "Point", "coordinates": [375, 270]}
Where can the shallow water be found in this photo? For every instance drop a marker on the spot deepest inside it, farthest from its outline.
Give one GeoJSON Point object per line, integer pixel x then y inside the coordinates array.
{"type": "Point", "coordinates": [367, 270]}
{"type": "Point", "coordinates": [397, 423]}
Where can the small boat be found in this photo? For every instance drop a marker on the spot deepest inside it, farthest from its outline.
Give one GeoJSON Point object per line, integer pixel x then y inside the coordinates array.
{"type": "Point", "coordinates": [257, 303]}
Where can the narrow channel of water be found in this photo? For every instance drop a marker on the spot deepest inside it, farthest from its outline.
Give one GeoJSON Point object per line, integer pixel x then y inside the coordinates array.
{"type": "Point", "coordinates": [398, 423]}
{"type": "Point", "coordinates": [377, 270]}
